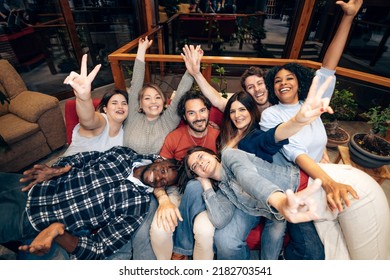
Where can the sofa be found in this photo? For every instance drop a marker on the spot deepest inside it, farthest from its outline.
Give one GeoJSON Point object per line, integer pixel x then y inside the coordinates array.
{"type": "Point", "coordinates": [31, 123]}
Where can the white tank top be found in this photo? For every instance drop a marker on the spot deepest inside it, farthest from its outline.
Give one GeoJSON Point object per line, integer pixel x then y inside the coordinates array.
{"type": "Point", "coordinates": [98, 143]}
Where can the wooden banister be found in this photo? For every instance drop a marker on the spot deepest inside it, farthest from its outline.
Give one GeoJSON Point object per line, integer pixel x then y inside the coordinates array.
{"type": "Point", "coordinates": [124, 54]}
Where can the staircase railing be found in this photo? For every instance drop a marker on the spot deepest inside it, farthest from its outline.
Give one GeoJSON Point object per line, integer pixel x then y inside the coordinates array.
{"type": "Point", "coordinates": [128, 53]}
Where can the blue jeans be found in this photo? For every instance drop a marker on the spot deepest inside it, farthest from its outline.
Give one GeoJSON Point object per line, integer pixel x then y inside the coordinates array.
{"type": "Point", "coordinates": [305, 244]}
{"type": "Point", "coordinates": [14, 224]}
{"type": "Point", "coordinates": [139, 247]}
{"type": "Point", "coordinates": [272, 237]}
{"type": "Point", "coordinates": [191, 204]}
{"type": "Point", "coordinates": [230, 241]}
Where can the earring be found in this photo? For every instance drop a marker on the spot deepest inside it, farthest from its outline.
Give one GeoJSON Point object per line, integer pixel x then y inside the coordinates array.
{"type": "Point", "coordinates": [140, 110]}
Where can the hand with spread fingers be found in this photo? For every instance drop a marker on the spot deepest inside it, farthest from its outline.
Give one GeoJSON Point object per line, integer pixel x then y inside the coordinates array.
{"type": "Point", "coordinates": [40, 173]}
{"type": "Point", "coordinates": [81, 83]}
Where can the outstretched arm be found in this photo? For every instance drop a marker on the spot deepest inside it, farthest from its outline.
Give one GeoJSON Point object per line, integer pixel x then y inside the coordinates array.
{"type": "Point", "coordinates": [337, 194]}
{"type": "Point", "coordinates": [192, 57]}
{"type": "Point", "coordinates": [312, 109]}
{"type": "Point", "coordinates": [81, 83]}
{"type": "Point", "coordinates": [336, 47]}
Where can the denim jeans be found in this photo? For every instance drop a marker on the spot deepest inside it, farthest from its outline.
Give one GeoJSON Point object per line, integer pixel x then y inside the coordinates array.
{"type": "Point", "coordinates": [272, 237]}
{"type": "Point", "coordinates": [230, 241]}
{"type": "Point", "coordinates": [191, 205]}
{"type": "Point", "coordinates": [242, 179]}
{"type": "Point", "coordinates": [305, 244]}
{"type": "Point", "coordinates": [14, 224]}
{"type": "Point", "coordinates": [139, 247]}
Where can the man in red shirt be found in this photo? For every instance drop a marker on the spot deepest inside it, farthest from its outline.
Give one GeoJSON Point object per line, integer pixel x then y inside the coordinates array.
{"type": "Point", "coordinates": [194, 108]}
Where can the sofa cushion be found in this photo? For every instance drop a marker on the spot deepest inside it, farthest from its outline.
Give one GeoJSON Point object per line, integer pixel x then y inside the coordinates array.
{"type": "Point", "coordinates": [13, 129]}
{"type": "Point", "coordinates": [10, 79]}
{"type": "Point", "coordinates": [30, 105]}
{"type": "Point", "coordinates": [3, 107]}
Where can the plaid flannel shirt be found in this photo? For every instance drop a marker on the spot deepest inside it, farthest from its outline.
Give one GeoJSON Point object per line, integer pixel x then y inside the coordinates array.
{"type": "Point", "coordinates": [94, 194]}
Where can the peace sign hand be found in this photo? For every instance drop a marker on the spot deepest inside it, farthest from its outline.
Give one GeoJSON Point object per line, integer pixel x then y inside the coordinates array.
{"type": "Point", "coordinates": [315, 104]}
{"type": "Point", "coordinates": [81, 83]}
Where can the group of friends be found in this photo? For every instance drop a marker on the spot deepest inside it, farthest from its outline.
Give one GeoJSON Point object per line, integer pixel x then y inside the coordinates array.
{"type": "Point", "coordinates": [134, 184]}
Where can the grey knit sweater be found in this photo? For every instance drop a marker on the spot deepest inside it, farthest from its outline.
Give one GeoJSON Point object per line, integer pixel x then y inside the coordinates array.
{"type": "Point", "coordinates": [140, 134]}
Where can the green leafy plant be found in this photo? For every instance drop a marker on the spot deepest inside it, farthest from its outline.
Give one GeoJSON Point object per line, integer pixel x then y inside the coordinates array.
{"type": "Point", "coordinates": [379, 119]}
{"type": "Point", "coordinates": [374, 141]}
{"type": "Point", "coordinates": [220, 80]}
{"type": "Point", "coordinates": [344, 106]}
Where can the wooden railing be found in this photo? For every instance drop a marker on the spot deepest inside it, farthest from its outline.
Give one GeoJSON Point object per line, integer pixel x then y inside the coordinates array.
{"type": "Point", "coordinates": [127, 53]}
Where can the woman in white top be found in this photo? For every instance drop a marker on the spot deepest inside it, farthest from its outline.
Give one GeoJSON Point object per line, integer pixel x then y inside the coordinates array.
{"type": "Point", "coordinates": [97, 130]}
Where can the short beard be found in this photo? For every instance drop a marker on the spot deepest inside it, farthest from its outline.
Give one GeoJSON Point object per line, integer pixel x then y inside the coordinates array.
{"type": "Point", "coordinates": [196, 129]}
{"type": "Point", "coordinates": [147, 167]}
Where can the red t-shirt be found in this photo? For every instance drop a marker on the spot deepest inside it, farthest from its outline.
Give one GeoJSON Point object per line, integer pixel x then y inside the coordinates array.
{"type": "Point", "coordinates": [178, 142]}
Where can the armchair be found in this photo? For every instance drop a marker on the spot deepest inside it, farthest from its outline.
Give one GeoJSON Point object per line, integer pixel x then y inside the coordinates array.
{"type": "Point", "coordinates": [31, 123]}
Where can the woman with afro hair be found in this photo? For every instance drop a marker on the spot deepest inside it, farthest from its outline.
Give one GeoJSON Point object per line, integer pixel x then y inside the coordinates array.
{"type": "Point", "coordinates": [288, 87]}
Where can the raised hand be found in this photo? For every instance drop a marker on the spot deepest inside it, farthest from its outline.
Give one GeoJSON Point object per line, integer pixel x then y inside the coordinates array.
{"type": "Point", "coordinates": [40, 173]}
{"type": "Point", "coordinates": [314, 104]}
{"type": "Point", "coordinates": [81, 83]}
{"type": "Point", "coordinates": [143, 45]}
{"type": "Point", "coordinates": [192, 57]}
{"type": "Point", "coordinates": [351, 8]}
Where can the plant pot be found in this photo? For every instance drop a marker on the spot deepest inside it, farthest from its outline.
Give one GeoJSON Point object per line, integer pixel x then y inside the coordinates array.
{"type": "Point", "coordinates": [365, 158]}
{"type": "Point", "coordinates": [339, 136]}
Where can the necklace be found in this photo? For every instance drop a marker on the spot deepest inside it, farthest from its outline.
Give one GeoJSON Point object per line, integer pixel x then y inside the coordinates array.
{"type": "Point", "coordinates": [194, 141]}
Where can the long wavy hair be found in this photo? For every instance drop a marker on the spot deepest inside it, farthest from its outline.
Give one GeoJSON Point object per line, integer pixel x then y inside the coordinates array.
{"type": "Point", "coordinates": [303, 74]}
{"type": "Point", "coordinates": [187, 174]}
{"type": "Point", "coordinates": [228, 129]}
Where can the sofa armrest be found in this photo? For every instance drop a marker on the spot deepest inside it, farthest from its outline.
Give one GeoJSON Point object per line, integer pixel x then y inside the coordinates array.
{"type": "Point", "coordinates": [30, 105]}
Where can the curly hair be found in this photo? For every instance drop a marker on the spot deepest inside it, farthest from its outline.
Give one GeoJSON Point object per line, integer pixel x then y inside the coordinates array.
{"type": "Point", "coordinates": [304, 76]}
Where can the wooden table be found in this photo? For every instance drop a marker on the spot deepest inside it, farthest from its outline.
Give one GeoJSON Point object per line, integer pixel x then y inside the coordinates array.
{"type": "Point", "coordinates": [379, 174]}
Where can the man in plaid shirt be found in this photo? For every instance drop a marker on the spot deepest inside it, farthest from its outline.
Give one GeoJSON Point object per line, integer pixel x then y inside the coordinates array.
{"type": "Point", "coordinates": [91, 207]}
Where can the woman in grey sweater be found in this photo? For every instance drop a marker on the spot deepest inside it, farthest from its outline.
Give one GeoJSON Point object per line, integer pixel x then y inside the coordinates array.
{"type": "Point", "coordinates": [148, 123]}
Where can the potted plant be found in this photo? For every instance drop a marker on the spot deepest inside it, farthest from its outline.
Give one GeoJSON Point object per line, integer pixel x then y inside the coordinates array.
{"type": "Point", "coordinates": [344, 107]}
{"type": "Point", "coordinates": [371, 150]}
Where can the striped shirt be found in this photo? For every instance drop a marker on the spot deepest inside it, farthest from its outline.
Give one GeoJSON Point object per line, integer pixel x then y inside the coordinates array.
{"type": "Point", "coordinates": [95, 194]}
